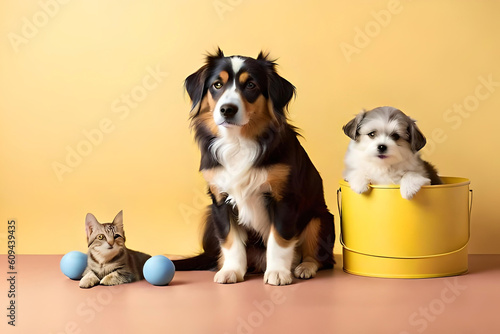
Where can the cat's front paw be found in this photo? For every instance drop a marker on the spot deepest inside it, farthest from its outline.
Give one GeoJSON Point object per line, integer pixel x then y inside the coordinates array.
{"type": "Point", "coordinates": [109, 281]}
{"type": "Point", "coordinates": [115, 278]}
{"type": "Point", "coordinates": [88, 281]}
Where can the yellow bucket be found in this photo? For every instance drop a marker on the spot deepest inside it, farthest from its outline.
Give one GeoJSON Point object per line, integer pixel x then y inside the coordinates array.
{"type": "Point", "coordinates": [385, 235]}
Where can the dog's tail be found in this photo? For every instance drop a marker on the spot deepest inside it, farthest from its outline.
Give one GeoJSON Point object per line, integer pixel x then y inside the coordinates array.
{"type": "Point", "coordinates": [203, 261]}
{"type": "Point", "coordinates": [208, 260]}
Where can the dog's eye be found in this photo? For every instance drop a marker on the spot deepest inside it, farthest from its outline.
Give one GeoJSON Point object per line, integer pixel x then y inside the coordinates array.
{"type": "Point", "coordinates": [250, 85]}
{"type": "Point", "coordinates": [395, 136]}
{"type": "Point", "coordinates": [372, 134]}
{"type": "Point", "coordinates": [217, 85]}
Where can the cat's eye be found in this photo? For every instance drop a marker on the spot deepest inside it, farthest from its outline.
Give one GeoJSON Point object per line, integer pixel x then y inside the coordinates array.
{"type": "Point", "coordinates": [372, 134]}
{"type": "Point", "coordinates": [217, 85]}
{"type": "Point", "coordinates": [117, 236]}
{"type": "Point", "coordinates": [100, 236]}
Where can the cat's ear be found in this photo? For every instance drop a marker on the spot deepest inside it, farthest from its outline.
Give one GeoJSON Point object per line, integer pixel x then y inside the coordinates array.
{"type": "Point", "coordinates": [91, 224]}
{"type": "Point", "coordinates": [118, 221]}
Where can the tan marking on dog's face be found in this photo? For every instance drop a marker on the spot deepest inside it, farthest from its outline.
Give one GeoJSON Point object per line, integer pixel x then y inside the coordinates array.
{"type": "Point", "coordinates": [205, 115]}
{"type": "Point", "coordinates": [277, 178]}
{"type": "Point", "coordinates": [224, 76]}
{"type": "Point", "coordinates": [210, 102]}
{"type": "Point", "coordinates": [243, 77]}
{"type": "Point", "coordinates": [259, 117]}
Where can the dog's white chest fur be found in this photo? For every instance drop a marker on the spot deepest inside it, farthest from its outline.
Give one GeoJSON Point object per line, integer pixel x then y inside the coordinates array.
{"type": "Point", "coordinates": [243, 183]}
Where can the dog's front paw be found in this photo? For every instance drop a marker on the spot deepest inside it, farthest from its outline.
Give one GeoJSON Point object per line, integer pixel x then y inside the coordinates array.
{"type": "Point", "coordinates": [306, 270]}
{"type": "Point", "coordinates": [411, 184]}
{"type": "Point", "coordinates": [225, 276]}
{"type": "Point", "coordinates": [278, 277]}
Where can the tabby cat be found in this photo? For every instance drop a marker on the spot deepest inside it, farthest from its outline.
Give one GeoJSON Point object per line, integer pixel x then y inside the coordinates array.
{"type": "Point", "coordinates": [109, 261]}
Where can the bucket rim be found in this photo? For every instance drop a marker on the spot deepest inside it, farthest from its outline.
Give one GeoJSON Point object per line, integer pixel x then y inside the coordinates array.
{"type": "Point", "coordinates": [450, 181]}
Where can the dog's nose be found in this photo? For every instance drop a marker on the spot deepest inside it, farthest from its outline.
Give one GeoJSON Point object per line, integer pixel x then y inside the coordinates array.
{"type": "Point", "coordinates": [228, 110]}
{"type": "Point", "coordinates": [382, 148]}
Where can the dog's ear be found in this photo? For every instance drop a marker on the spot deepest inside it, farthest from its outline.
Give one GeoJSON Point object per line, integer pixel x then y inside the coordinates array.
{"type": "Point", "coordinates": [219, 54]}
{"type": "Point", "coordinates": [281, 92]}
{"type": "Point", "coordinates": [417, 139]}
{"type": "Point", "coordinates": [279, 89]}
{"type": "Point", "coordinates": [352, 127]}
{"type": "Point", "coordinates": [195, 86]}
{"type": "Point", "coordinates": [195, 83]}
{"type": "Point", "coordinates": [264, 55]}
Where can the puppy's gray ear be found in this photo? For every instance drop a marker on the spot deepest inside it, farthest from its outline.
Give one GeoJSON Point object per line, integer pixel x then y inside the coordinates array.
{"type": "Point", "coordinates": [417, 139]}
{"type": "Point", "coordinates": [351, 128]}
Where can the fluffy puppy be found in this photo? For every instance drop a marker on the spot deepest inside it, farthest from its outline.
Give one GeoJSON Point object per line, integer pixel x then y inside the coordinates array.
{"type": "Point", "coordinates": [384, 150]}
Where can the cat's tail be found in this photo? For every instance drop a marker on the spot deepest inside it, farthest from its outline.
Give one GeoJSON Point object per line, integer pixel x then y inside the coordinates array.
{"type": "Point", "coordinates": [208, 260]}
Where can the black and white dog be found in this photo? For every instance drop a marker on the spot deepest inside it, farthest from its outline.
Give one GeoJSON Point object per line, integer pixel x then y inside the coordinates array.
{"type": "Point", "coordinates": [268, 212]}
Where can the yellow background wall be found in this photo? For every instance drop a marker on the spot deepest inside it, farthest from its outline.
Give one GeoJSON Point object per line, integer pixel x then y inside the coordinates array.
{"type": "Point", "coordinates": [105, 78]}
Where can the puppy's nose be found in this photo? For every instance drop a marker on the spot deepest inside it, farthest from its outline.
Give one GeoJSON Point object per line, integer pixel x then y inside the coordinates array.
{"type": "Point", "coordinates": [382, 148]}
{"type": "Point", "coordinates": [228, 110]}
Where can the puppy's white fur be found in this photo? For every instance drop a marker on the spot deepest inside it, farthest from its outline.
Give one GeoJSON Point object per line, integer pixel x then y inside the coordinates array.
{"type": "Point", "coordinates": [384, 150]}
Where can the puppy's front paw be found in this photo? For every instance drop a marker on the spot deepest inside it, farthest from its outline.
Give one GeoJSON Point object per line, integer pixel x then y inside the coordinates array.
{"type": "Point", "coordinates": [359, 187]}
{"type": "Point", "coordinates": [358, 182]}
{"type": "Point", "coordinates": [225, 276]}
{"type": "Point", "coordinates": [411, 184]}
{"type": "Point", "coordinates": [278, 277]}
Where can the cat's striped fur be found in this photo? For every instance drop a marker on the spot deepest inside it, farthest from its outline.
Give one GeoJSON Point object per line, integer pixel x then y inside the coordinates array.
{"type": "Point", "coordinates": [109, 261]}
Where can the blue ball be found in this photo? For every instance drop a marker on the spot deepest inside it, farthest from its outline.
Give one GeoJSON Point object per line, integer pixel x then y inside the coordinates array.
{"type": "Point", "coordinates": [73, 264]}
{"type": "Point", "coordinates": [158, 270]}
